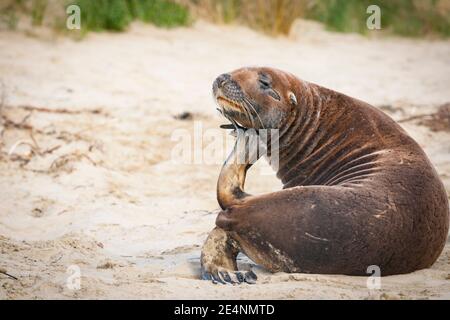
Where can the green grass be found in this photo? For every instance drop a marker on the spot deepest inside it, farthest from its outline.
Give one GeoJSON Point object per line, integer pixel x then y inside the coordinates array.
{"type": "Point", "coordinates": [403, 17]}
{"type": "Point", "coordinates": [160, 13]}
{"type": "Point", "coordinates": [38, 11]}
{"type": "Point", "coordinates": [96, 15]}
{"type": "Point", "coordinates": [103, 14]}
{"type": "Point", "coordinates": [116, 15]}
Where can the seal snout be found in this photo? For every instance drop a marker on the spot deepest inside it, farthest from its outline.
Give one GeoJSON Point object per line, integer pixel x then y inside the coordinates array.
{"type": "Point", "coordinates": [224, 86]}
{"type": "Point", "coordinates": [220, 82]}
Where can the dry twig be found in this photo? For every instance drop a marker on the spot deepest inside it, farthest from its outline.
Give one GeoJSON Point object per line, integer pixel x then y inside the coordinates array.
{"type": "Point", "coordinates": [3, 271]}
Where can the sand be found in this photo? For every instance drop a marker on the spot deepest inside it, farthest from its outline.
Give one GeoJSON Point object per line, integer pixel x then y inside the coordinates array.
{"type": "Point", "coordinates": [88, 181]}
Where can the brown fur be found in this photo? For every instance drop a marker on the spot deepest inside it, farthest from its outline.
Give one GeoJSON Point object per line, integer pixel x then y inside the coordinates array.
{"type": "Point", "coordinates": [358, 191]}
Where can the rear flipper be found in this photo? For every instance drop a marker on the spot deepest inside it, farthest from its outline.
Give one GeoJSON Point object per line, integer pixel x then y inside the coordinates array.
{"type": "Point", "coordinates": [311, 229]}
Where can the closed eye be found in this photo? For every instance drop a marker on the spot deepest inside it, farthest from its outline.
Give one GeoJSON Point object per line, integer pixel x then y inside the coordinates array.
{"type": "Point", "coordinates": [265, 84]}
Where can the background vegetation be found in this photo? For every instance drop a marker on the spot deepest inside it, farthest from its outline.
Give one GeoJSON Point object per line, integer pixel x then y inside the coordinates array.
{"type": "Point", "coordinates": [117, 14]}
{"type": "Point", "coordinates": [96, 15]}
{"type": "Point", "coordinates": [404, 17]}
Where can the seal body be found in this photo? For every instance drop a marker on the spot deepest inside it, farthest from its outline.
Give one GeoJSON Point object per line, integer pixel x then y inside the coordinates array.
{"type": "Point", "coordinates": [358, 191]}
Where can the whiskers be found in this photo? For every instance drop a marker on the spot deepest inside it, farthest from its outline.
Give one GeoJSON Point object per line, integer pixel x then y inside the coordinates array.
{"type": "Point", "coordinates": [249, 103]}
{"type": "Point", "coordinates": [248, 114]}
{"type": "Point", "coordinates": [246, 107]}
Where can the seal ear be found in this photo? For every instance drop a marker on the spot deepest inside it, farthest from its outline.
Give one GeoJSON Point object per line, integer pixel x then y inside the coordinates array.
{"type": "Point", "coordinates": [292, 98]}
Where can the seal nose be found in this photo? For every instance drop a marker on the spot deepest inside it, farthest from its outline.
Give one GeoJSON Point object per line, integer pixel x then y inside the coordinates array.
{"type": "Point", "coordinates": [220, 82]}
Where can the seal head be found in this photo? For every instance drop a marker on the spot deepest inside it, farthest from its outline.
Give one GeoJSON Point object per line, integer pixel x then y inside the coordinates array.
{"type": "Point", "coordinates": [259, 98]}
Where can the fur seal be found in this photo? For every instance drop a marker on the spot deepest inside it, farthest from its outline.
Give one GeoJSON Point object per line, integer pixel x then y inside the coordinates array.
{"type": "Point", "coordinates": [357, 190]}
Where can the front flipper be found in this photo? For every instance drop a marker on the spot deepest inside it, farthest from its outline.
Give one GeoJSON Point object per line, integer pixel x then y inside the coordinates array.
{"type": "Point", "coordinates": [230, 186]}
{"type": "Point", "coordinates": [218, 260]}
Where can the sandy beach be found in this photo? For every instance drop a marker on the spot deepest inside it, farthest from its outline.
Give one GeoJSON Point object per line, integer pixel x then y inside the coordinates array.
{"type": "Point", "coordinates": [88, 180]}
